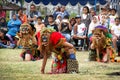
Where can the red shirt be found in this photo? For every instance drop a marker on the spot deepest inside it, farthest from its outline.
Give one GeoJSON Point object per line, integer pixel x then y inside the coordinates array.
{"type": "Point", "coordinates": [2, 14]}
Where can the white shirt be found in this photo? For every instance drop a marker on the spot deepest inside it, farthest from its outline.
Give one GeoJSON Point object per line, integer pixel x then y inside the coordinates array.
{"type": "Point", "coordinates": [81, 29]}
{"type": "Point", "coordinates": [92, 27]}
{"type": "Point", "coordinates": [112, 20]}
{"type": "Point", "coordinates": [116, 29]}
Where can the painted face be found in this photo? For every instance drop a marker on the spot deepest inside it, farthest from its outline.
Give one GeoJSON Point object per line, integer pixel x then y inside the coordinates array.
{"type": "Point", "coordinates": [45, 39]}
{"type": "Point", "coordinates": [24, 29]}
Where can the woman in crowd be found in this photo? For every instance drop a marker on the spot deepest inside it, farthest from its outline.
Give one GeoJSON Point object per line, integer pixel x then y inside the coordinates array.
{"type": "Point", "coordinates": [13, 27]}
{"type": "Point", "coordinates": [3, 25]}
{"type": "Point", "coordinates": [93, 24]}
{"type": "Point", "coordinates": [86, 19]}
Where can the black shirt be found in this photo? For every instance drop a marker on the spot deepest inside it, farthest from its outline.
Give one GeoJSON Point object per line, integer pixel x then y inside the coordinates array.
{"type": "Point", "coordinates": [4, 40]}
{"type": "Point", "coordinates": [54, 26]}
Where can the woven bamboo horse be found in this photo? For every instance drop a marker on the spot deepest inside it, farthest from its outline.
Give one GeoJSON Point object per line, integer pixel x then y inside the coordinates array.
{"type": "Point", "coordinates": [100, 43]}
{"type": "Point", "coordinates": [52, 41]}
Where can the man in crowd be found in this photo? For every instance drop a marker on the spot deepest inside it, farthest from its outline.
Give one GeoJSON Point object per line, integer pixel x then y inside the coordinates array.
{"type": "Point", "coordinates": [33, 14]}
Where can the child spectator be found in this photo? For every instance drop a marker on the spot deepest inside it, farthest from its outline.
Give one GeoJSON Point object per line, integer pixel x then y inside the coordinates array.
{"type": "Point", "coordinates": [115, 30]}
{"type": "Point", "coordinates": [39, 26]}
{"type": "Point", "coordinates": [93, 24]}
{"type": "Point", "coordinates": [103, 21]}
{"type": "Point", "coordinates": [51, 23]}
{"type": "Point", "coordinates": [112, 17]}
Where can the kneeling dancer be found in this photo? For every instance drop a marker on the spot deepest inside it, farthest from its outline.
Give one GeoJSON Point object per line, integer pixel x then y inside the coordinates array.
{"type": "Point", "coordinates": [64, 53]}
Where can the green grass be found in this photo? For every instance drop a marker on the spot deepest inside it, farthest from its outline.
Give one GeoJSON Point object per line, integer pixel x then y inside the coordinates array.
{"type": "Point", "coordinates": [13, 68]}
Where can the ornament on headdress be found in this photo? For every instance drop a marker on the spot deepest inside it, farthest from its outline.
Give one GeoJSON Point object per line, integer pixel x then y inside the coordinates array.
{"type": "Point", "coordinates": [47, 30]}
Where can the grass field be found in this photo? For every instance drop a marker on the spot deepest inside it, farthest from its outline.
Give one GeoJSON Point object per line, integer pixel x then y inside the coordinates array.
{"type": "Point", "coordinates": [13, 68]}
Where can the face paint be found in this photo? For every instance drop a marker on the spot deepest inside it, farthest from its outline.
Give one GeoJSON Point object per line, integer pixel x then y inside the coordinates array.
{"type": "Point", "coordinates": [24, 29]}
{"type": "Point", "coordinates": [44, 38]}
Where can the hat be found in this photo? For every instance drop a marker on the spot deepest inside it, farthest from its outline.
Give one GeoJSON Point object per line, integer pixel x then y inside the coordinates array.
{"type": "Point", "coordinates": [78, 16]}
{"type": "Point", "coordinates": [101, 27]}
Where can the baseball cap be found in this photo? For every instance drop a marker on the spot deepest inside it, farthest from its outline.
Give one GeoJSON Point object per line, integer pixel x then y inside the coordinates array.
{"type": "Point", "coordinates": [78, 16]}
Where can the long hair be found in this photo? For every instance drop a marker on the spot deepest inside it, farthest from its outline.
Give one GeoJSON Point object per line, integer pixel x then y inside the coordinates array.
{"type": "Point", "coordinates": [45, 44]}
{"type": "Point", "coordinates": [99, 38]}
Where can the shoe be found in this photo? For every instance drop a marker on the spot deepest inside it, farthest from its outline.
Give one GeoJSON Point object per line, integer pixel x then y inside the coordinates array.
{"type": "Point", "coordinates": [12, 46]}
{"type": "Point", "coordinates": [9, 47]}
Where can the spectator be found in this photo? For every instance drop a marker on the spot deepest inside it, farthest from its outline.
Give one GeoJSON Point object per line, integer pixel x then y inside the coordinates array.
{"type": "Point", "coordinates": [86, 17]}
{"type": "Point", "coordinates": [92, 13]}
{"type": "Point", "coordinates": [79, 32]}
{"type": "Point", "coordinates": [33, 14]}
{"type": "Point", "coordinates": [22, 16]}
{"type": "Point", "coordinates": [13, 27]}
{"type": "Point", "coordinates": [4, 41]}
{"type": "Point", "coordinates": [2, 12]}
{"type": "Point", "coordinates": [72, 22]}
{"type": "Point", "coordinates": [51, 23]}
{"type": "Point", "coordinates": [102, 13]}
{"type": "Point", "coordinates": [58, 19]}
{"type": "Point", "coordinates": [103, 21]}
{"type": "Point", "coordinates": [112, 17]}
{"type": "Point", "coordinates": [115, 30]}
{"type": "Point", "coordinates": [63, 12]}
{"type": "Point", "coordinates": [65, 28]}
{"type": "Point", "coordinates": [93, 24]}
{"type": "Point", "coordinates": [57, 11]}
{"type": "Point", "coordinates": [39, 26]}
{"type": "Point", "coordinates": [3, 25]}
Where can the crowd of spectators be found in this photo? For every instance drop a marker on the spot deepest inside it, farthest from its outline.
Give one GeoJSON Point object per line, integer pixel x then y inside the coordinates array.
{"type": "Point", "coordinates": [76, 30]}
